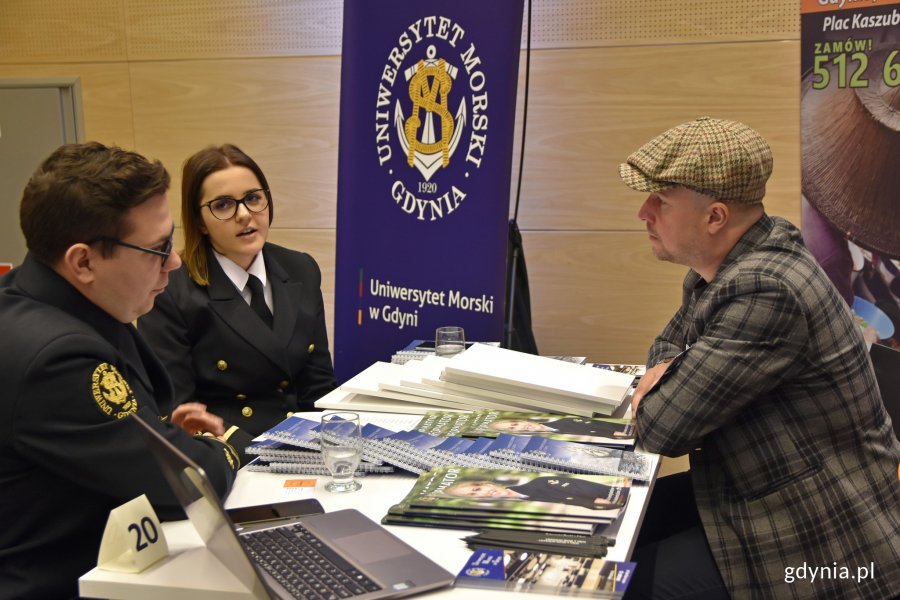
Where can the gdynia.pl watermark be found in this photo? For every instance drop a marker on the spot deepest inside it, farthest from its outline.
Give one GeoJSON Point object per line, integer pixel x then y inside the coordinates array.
{"type": "Point", "coordinates": [811, 573]}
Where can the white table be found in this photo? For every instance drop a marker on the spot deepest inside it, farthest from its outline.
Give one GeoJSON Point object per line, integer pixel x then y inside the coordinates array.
{"type": "Point", "coordinates": [193, 573]}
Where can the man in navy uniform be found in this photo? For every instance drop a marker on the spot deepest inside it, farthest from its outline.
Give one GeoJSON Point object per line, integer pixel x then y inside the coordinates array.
{"type": "Point", "coordinates": [72, 367]}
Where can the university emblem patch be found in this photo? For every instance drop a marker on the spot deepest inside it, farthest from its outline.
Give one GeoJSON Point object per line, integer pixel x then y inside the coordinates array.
{"type": "Point", "coordinates": [431, 101]}
{"type": "Point", "coordinates": [111, 392]}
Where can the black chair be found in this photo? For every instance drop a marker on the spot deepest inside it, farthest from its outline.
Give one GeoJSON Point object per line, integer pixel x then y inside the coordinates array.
{"type": "Point", "coordinates": [887, 371]}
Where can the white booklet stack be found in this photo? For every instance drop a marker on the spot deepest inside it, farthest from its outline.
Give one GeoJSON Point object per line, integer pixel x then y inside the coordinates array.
{"type": "Point", "coordinates": [546, 380]}
{"type": "Point", "coordinates": [485, 376]}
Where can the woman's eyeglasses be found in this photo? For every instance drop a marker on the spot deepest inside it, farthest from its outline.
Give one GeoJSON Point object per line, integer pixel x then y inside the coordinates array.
{"type": "Point", "coordinates": [225, 207]}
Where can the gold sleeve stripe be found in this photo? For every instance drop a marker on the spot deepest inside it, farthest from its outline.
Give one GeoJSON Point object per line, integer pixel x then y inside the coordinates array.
{"type": "Point", "coordinates": [230, 432]}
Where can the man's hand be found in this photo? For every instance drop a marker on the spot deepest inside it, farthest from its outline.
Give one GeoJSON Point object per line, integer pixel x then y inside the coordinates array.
{"type": "Point", "coordinates": [194, 418]}
{"type": "Point", "coordinates": [648, 380]}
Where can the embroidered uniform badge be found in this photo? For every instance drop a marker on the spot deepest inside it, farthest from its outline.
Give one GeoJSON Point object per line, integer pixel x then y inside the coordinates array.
{"type": "Point", "coordinates": [111, 392]}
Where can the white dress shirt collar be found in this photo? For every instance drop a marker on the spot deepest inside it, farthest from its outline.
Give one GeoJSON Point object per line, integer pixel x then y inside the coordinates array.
{"type": "Point", "coordinates": [239, 276]}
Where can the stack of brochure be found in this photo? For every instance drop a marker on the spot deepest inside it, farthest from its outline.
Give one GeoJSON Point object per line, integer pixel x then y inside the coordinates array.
{"type": "Point", "coordinates": [548, 543]}
{"type": "Point", "coordinates": [292, 446]}
{"type": "Point", "coordinates": [594, 545]}
{"type": "Point", "coordinates": [487, 376]}
{"type": "Point", "coordinates": [462, 440]}
{"type": "Point", "coordinates": [559, 443]}
{"type": "Point", "coordinates": [570, 428]}
{"type": "Point", "coordinates": [524, 571]}
{"type": "Point", "coordinates": [552, 383]}
{"type": "Point", "coordinates": [472, 498]}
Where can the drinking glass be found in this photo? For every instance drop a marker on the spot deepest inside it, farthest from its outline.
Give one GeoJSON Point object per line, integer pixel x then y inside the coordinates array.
{"type": "Point", "coordinates": [449, 341]}
{"type": "Point", "coordinates": [341, 442]}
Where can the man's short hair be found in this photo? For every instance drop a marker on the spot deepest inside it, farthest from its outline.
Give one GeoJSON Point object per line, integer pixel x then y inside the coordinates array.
{"type": "Point", "coordinates": [81, 193]}
{"type": "Point", "coordinates": [725, 160]}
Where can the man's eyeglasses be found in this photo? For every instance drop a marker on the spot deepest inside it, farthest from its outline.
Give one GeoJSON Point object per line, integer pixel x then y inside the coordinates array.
{"type": "Point", "coordinates": [164, 251]}
{"type": "Point", "coordinates": [225, 207]}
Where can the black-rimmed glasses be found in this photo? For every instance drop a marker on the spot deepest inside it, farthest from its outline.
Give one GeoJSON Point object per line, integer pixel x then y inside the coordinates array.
{"type": "Point", "coordinates": [225, 207]}
{"type": "Point", "coordinates": [164, 251]}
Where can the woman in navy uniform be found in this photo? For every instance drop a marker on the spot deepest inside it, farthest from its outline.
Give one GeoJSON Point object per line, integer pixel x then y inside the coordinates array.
{"type": "Point", "coordinates": [252, 357]}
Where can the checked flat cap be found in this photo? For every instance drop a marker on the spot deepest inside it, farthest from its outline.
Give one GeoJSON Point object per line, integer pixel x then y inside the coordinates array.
{"type": "Point", "coordinates": [723, 159]}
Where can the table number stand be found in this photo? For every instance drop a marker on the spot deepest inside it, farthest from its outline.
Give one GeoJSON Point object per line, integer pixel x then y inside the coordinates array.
{"type": "Point", "coordinates": [133, 539]}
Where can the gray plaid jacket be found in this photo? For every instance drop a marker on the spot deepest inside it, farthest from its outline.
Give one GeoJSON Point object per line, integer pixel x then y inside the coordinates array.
{"type": "Point", "coordinates": [793, 459]}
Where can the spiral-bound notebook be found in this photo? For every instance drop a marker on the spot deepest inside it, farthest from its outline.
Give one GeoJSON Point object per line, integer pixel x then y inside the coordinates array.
{"type": "Point", "coordinates": [311, 468]}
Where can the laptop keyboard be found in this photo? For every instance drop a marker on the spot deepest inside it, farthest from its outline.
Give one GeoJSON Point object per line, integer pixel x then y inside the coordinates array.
{"type": "Point", "coordinates": [304, 565]}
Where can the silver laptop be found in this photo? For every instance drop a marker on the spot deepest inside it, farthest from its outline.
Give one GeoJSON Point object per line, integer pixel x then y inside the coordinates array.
{"type": "Point", "coordinates": [341, 554]}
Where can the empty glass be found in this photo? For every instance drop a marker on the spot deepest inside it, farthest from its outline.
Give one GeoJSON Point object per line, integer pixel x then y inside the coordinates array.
{"type": "Point", "coordinates": [340, 441]}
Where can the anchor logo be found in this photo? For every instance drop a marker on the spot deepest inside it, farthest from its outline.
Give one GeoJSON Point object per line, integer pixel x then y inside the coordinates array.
{"type": "Point", "coordinates": [430, 84]}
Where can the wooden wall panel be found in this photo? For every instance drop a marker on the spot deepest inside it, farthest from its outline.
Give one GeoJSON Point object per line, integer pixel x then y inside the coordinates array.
{"type": "Point", "coordinates": [599, 294]}
{"type": "Point", "coordinates": [581, 23]}
{"type": "Point", "coordinates": [189, 29]}
{"type": "Point", "coordinates": [591, 107]}
{"type": "Point", "coordinates": [53, 31]}
{"type": "Point", "coordinates": [283, 112]}
{"type": "Point", "coordinates": [237, 28]}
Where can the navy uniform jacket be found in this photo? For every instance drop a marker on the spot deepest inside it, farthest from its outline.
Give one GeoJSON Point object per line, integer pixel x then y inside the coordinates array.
{"type": "Point", "coordinates": [793, 458]}
{"type": "Point", "coordinates": [70, 375]}
{"type": "Point", "coordinates": [571, 490]}
{"type": "Point", "coordinates": [219, 352]}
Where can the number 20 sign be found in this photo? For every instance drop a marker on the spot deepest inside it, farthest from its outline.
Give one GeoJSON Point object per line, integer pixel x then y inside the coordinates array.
{"type": "Point", "coordinates": [133, 539]}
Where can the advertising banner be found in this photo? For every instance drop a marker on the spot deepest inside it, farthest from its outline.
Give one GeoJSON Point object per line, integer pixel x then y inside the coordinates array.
{"type": "Point", "coordinates": [428, 104]}
{"type": "Point", "coordinates": [850, 127]}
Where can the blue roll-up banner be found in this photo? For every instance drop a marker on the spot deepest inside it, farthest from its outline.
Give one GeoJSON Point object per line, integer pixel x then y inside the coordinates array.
{"type": "Point", "coordinates": [428, 104]}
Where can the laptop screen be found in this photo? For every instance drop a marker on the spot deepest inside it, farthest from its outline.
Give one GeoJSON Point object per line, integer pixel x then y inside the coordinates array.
{"type": "Point", "coordinates": [204, 509]}
{"type": "Point", "coordinates": [357, 548]}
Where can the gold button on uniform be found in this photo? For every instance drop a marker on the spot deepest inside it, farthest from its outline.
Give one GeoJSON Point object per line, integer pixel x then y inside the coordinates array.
{"type": "Point", "coordinates": [247, 411]}
{"type": "Point", "coordinates": [290, 414]}
{"type": "Point", "coordinates": [222, 365]}
{"type": "Point", "coordinates": [241, 397]}
{"type": "Point", "coordinates": [284, 384]}
{"type": "Point", "coordinates": [311, 348]}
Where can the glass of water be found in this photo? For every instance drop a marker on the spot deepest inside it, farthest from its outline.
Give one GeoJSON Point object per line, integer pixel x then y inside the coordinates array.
{"type": "Point", "coordinates": [449, 341]}
{"type": "Point", "coordinates": [340, 441]}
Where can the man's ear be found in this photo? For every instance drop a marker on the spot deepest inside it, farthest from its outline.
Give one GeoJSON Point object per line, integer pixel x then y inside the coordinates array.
{"type": "Point", "coordinates": [77, 262]}
{"type": "Point", "coordinates": [717, 216]}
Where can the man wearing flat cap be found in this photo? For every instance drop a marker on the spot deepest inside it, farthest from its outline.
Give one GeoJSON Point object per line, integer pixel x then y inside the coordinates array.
{"type": "Point", "coordinates": [763, 377]}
